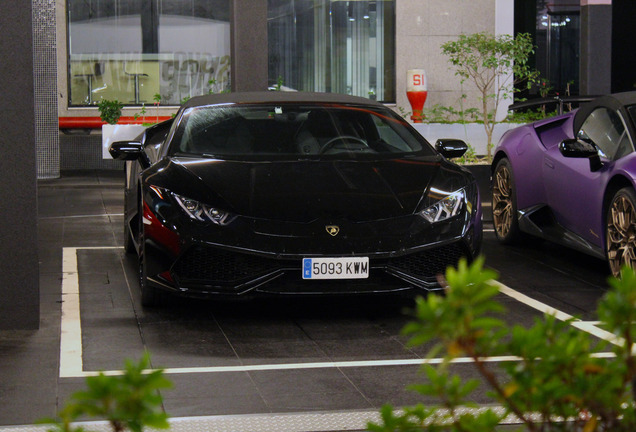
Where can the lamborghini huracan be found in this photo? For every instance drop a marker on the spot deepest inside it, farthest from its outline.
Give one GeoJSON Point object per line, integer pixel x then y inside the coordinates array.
{"type": "Point", "coordinates": [571, 179]}
{"type": "Point", "coordinates": [281, 193]}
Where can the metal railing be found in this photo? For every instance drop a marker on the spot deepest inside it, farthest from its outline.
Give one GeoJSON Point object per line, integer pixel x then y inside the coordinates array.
{"type": "Point", "coordinates": [560, 101]}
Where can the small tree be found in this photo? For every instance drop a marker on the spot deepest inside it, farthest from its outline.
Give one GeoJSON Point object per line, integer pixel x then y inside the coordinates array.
{"type": "Point", "coordinates": [494, 64]}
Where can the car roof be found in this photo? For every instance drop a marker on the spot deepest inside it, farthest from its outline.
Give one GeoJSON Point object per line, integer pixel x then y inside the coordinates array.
{"type": "Point", "coordinates": [276, 97]}
{"type": "Point", "coordinates": [614, 101]}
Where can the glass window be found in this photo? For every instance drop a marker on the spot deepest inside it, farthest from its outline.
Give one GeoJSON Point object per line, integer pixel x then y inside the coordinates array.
{"type": "Point", "coordinates": [293, 130]}
{"type": "Point", "coordinates": [333, 46]}
{"type": "Point", "coordinates": [606, 130]}
{"type": "Point", "coordinates": [133, 50]}
{"type": "Point", "coordinates": [556, 29]}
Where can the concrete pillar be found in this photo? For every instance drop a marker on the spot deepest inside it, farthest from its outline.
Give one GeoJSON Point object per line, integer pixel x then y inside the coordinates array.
{"type": "Point", "coordinates": [248, 30]}
{"type": "Point", "coordinates": [623, 35]}
{"type": "Point", "coordinates": [596, 47]}
{"type": "Point", "coordinates": [19, 276]}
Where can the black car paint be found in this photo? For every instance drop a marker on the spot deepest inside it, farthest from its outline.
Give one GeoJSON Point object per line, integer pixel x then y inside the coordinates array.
{"type": "Point", "coordinates": [279, 221]}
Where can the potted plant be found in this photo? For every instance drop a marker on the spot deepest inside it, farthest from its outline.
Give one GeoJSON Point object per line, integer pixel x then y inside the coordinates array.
{"type": "Point", "coordinates": [110, 110]}
{"type": "Point", "coordinates": [110, 113]}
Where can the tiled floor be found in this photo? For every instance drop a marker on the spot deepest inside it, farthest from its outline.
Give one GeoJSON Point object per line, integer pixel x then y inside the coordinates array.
{"type": "Point", "coordinates": [84, 211]}
{"type": "Point", "coordinates": [268, 364]}
{"type": "Point", "coordinates": [264, 362]}
{"type": "Point", "coordinates": [72, 211]}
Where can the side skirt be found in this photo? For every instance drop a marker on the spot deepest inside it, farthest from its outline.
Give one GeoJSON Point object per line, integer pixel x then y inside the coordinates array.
{"type": "Point", "coordinates": [540, 222]}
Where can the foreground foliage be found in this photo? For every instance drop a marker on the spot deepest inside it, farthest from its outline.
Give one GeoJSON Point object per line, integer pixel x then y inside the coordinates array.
{"type": "Point", "coordinates": [558, 381]}
{"type": "Point", "coordinates": [129, 401]}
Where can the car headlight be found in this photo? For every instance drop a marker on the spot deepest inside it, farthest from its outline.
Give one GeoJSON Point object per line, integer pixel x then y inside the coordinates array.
{"type": "Point", "coordinates": [446, 207]}
{"type": "Point", "coordinates": [203, 212]}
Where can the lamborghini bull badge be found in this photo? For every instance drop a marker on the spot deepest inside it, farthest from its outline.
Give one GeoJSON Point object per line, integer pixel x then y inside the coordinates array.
{"type": "Point", "coordinates": [333, 230]}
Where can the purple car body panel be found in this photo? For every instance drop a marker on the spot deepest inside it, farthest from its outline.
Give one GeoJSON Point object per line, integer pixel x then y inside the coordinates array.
{"type": "Point", "coordinates": [526, 152]}
{"type": "Point", "coordinates": [576, 196]}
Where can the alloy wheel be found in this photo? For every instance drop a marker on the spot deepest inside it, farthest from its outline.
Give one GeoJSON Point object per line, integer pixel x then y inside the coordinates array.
{"type": "Point", "coordinates": [621, 233]}
{"type": "Point", "coordinates": [502, 201]}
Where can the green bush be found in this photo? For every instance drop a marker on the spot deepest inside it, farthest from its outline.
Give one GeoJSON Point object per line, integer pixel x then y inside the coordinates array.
{"type": "Point", "coordinates": [110, 110]}
{"type": "Point", "coordinates": [447, 114]}
{"type": "Point", "coordinates": [559, 383]}
{"type": "Point", "coordinates": [529, 116]}
{"type": "Point", "coordinates": [128, 401]}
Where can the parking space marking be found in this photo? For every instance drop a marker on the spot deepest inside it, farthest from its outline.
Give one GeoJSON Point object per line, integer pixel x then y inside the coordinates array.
{"type": "Point", "coordinates": [71, 364]}
{"type": "Point", "coordinates": [298, 366]}
{"type": "Point", "coordinates": [535, 304]}
{"type": "Point", "coordinates": [71, 325]}
{"type": "Point", "coordinates": [586, 326]}
{"type": "Point", "coordinates": [594, 330]}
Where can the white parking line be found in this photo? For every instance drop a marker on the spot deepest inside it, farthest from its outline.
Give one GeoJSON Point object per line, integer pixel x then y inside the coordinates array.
{"type": "Point", "coordinates": [535, 304]}
{"type": "Point", "coordinates": [71, 326]}
{"type": "Point", "coordinates": [71, 365]}
{"type": "Point", "coordinates": [586, 326]}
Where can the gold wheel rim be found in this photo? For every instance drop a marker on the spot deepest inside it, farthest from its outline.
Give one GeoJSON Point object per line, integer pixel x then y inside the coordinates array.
{"type": "Point", "coordinates": [502, 201]}
{"type": "Point", "coordinates": [621, 234]}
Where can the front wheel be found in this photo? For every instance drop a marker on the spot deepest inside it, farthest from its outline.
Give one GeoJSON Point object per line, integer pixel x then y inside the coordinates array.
{"type": "Point", "coordinates": [620, 231]}
{"type": "Point", "coordinates": [504, 203]}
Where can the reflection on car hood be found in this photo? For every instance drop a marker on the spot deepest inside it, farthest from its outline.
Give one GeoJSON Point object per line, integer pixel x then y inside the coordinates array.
{"type": "Point", "coordinates": [302, 191]}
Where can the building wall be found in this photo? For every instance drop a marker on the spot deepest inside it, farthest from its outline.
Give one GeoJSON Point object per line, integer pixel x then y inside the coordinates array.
{"type": "Point", "coordinates": [422, 27]}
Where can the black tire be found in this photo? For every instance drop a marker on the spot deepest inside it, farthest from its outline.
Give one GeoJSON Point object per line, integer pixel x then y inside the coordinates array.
{"type": "Point", "coordinates": [504, 203]}
{"type": "Point", "coordinates": [620, 230]}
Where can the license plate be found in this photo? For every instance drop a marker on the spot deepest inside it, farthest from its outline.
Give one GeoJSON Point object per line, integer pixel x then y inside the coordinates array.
{"type": "Point", "coordinates": [336, 268]}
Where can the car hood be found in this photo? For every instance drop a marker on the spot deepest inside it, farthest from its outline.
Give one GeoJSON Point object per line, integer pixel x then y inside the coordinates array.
{"type": "Point", "coordinates": [303, 191]}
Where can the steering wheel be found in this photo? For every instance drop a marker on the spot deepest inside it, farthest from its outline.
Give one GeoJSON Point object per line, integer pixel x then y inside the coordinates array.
{"type": "Point", "coordinates": [329, 144]}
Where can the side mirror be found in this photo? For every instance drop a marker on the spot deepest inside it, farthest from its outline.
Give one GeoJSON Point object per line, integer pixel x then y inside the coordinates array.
{"type": "Point", "coordinates": [129, 151]}
{"type": "Point", "coordinates": [577, 148]}
{"type": "Point", "coordinates": [450, 147]}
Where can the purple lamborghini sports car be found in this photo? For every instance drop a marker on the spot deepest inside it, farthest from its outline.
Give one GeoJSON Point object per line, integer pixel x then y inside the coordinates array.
{"type": "Point", "coordinates": [572, 179]}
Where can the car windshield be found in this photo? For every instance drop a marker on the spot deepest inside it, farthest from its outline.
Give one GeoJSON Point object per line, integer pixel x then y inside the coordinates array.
{"type": "Point", "coordinates": [294, 130]}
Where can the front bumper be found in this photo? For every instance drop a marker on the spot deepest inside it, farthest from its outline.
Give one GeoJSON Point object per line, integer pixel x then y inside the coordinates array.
{"type": "Point", "coordinates": [254, 257]}
{"type": "Point", "coordinates": [211, 270]}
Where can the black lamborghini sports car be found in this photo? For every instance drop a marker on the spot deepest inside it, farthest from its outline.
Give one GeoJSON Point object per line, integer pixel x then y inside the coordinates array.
{"type": "Point", "coordinates": [293, 193]}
